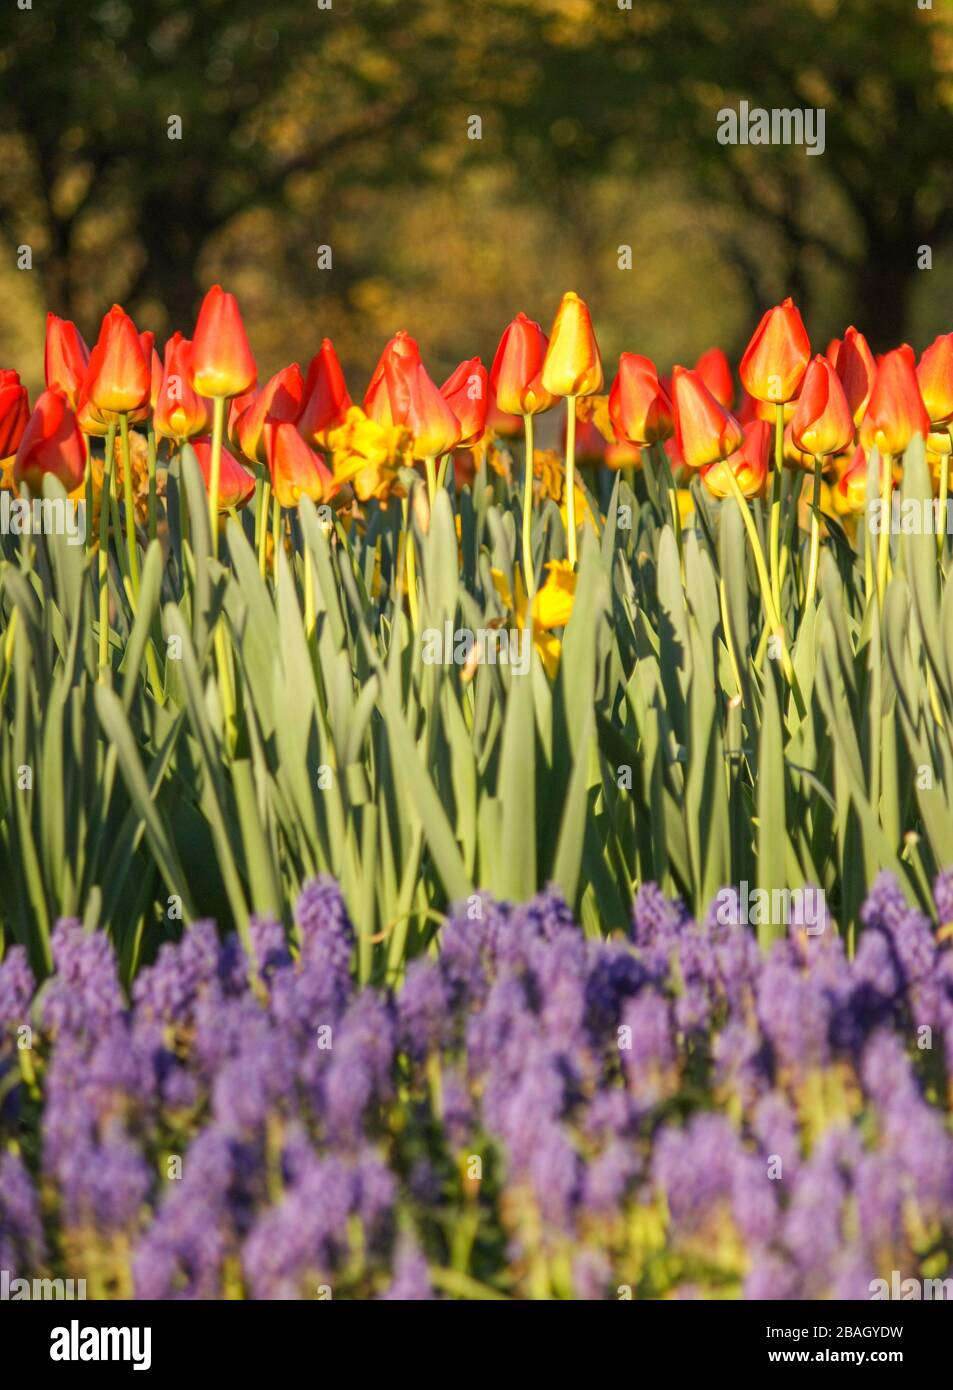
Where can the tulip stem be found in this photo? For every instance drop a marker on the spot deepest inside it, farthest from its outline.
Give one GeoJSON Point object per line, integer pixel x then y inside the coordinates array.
{"type": "Point", "coordinates": [883, 548]}
{"type": "Point", "coordinates": [153, 497]}
{"type": "Point", "coordinates": [431, 467]}
{"type": "Point", "coordinates": [129, 505]}
{"type": "Point", "coordinates": [261, 521]}
{"type": "Point", "coordinates": [767, 597]}
{"type": "Point", "coordinates": [218, 430]}
{"type": "Point", "coordinates": [775, 530]}
{"type": "Point", "coordinates": [944, 495]}
{"type": "Point", "coordinates": [89, 491]}
{"type": "Point", "coordinates": [308, 591]}
{"type": "Point", "coordinates": [529, 571]}
{"type": "Point", "coordinates": [442, 471]}
{"type": "Point", "coordinates": [571, 477]}
{"type": "Point", "coordinates": [275, 534]}
{"type": "Point", "coordinates": [410, 562]}
{"type": "Point", "coordinates": [104, 500]}
{"type": "Point", "coordinates": [815, 534]}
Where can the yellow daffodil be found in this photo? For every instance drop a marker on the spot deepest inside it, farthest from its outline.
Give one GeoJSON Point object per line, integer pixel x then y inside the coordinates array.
{"type": "Point", "coordinates": [368, 455]}
{"type": "Point", "coordinates": [551, 608]}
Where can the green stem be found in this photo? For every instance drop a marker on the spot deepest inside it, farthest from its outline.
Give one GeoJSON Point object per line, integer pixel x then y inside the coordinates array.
{"type": "Point", "coordinates": [571, 477]}
{"type": "Point", "coordinates": [410, 559]}
{"type": "Point", "coordinates": [775, 531]}
{"type": "Point", "coordinates": [442, 471]}
{"type": "Point", "coordinates": [815, 535]}
{"type": "Point", "coordinates": [104, 501]}
{"type": "Point", "coordinates": [529, 572]}
{"type": "Point", "coordinates": [275, 534]}
{"type": "Point", "coordinates": [89, 491]}
{"type": "Point", "coordinates": [262, 522]}
{"type": "Point", "coordinates": [883, 549]}
{"type": "Point", "coordinates": [218, 431]}
{"type": "Point", "coordinates": [431, 467]}
{"type": "Point", "coordinates": [944, 494]}
{"type": "Point", "coordinates": [131, 546]}
{"type": "Point", "coordinates": [153, 493]}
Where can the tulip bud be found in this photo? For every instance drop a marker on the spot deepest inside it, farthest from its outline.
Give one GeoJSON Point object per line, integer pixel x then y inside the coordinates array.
{"type": "Point", "coordinates": [179, 412]}
{"type": "Point", "coordinates": [52, 443]}
{"type": "Point", "coordinates": [856, 368]}
{"type": "Point", "coordinates": [66, 357]}
{"type": "Point", "coordinates": [896, 411]}
{"type": "Point", "coordinates": [465, 391]}
{"type": "Point", "coordinates": [749, 464]}
{"type": "Point", "coordinates": [326, 399]}
{"type": "Point", "coordinates": [402, 349]}
{"type": "Point", "coordinates": [14, 412]}
{"type": "Point", "coordinates": [119, 375]}
{"type": "Point", "coordinates": [236, 487]}
{"type": "Point", "coordinates": [402, 393]}
{"type": "Point", "coordinates": [639, 407]}
{"type": "Point", "coordinates": [279, 400]}
{"type": "Point", "coordinates": [776, 359]}
{"type": "Point", "coordinates": [852, 483]}
{"type": "Point", "coordinates": [704, 431]}
{"type": "Point", "coordinates": [572, 366]}
{"type": "Point", "coordinates": [715, 372]}
{"type": "Point", "coordinates": [935, 377]}
{"type": "Point", "coordinates": [822, 423]}
{"type": "Point", "coordinates": [296, 470]}
{"type": "Point", "coordinates": [517, 366]}
{"type": "Point", "coordinates": [222, 362]}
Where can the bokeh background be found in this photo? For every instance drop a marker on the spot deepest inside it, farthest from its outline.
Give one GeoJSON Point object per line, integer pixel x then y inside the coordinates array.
{"type": "Point", "coordinates": [348, 127]}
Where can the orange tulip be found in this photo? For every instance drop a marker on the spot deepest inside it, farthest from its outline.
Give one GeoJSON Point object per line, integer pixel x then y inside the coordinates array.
{"type": "Point", "coordinates": [516, 369]}
{"type": "Point", "coordinates": [715, 372]}
{"type": "Point", "coordinates": [66, 357]}
{"type": "Point", "coordinates": [53, 444]}
{"type": "Point", "coordinates": [14, 412]}
{"type": "Point", "coordinates": [896, 411]}
{"type": "Point", "coordinates": [822, 423]}
{"type": "Point", "coordinates": [856, 368]}
{"type": "Point", "coordinates": [236, 487]}
{"type": "Point", "coordinates": [749, 464]}
{"type": "Point", "coordinates": [119, 375]}
{"type": "Point", "coordinates": [179, 412]}
{"type": "Point", "coordinates": [402, 393]}
{"type": "Point", "coordinates": [776, 359]}
{"type": "Point", "coordinates": [326, 398]}
{"type": "Point", "coordinates": [296, 470]}
{"type": "Point", "coordinates": [639, 407]}
{"type": "Point", "coordinates": [501, 422]}
{"type": "Point", "coordinates": [279, 400]}
{"type": "Point", "coordinates": [236, 409]}
{"type": "Point", "coordinates": [852, 483]}
{"type": "Point", "coordinates": [704, 430]}
{"type": "Point", "coordinates": [833, 348]}
{"type": "Point", "coordinates": [572, 365]}
{"type": "Point", "coordinates": [222, 362]}
{"type": "Point", "coordinates": [465, 391]}
{"type": "Point", "coordinates": [935, 375]}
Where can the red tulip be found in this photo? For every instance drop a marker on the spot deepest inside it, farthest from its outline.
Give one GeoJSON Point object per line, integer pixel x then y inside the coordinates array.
{"type": "Point", "coordinates": [776, 359]}
{"type": "Point", "coordinates": [402, 393]}
{"type": "Point", "coordinates": [639, 407]}
{"type": "Point", "coordinates": [326, 398]}
{"type": "Point", "coordinates": [236, 487]}
{"type": "Point", "coordinates": [14, 412]}
{"type": "Point", "coordinates": [119, 376]}
{"type": "Point", "coordinates": [296, 470]}
{"type": "Point", "coordinates": [222, 363]}
{"type": "Point", "coordinates": [236, 409]}
{"type": "Point", "coordinates": [279, 400]}
{"type": "Point", "coordinates": [704, 430]}
{"type": "Point", "coordinates": [402, 348]}
{"type": "Point", "coordinates": [856, 368]}
{"type": "Point", "coordinates": [935, 375]}
{"type": "Point", "coordinates": [896, 411]}
{"type": "Point", "coordinates": [66, 357]}
{"type": "Point", "coordinates": [465, 391]}
{"type": "Point", "coordinates": [715, 372]}
{"type": "Point", "coordinates": [822, 423]}
{"type": "Point", "coordinates": [749, 464]}
{"type": "Point", "coordinates": [179, 412]}
{"type": "Point", "coordinates": [52, 443]}
{"type": "Point", "coordinates": [517, 365]}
